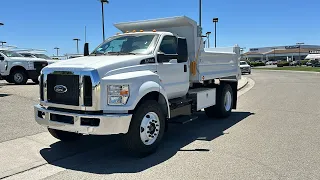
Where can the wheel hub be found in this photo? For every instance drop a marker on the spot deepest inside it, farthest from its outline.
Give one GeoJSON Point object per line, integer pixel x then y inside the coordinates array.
{"type": "Point", "coordinates": [149, 128]}
{"type": "Point", "coordinates": [227, 101]}
{"type": "Point", "coordinates": [18, 77]}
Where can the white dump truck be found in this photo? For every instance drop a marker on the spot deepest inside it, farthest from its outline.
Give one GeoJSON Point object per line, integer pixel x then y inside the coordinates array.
{"type": "Point", "coordinates": [136, 82]}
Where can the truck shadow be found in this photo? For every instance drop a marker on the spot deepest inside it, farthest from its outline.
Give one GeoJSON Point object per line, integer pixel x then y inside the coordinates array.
{"type": "Point", "coordinates": [110, 158]}
{"type": "Point", "coordinates": [4, 95]}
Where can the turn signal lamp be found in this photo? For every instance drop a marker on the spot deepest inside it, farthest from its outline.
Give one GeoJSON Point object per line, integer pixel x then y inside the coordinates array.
{"type": "Point", "coordinates": [193, 68]}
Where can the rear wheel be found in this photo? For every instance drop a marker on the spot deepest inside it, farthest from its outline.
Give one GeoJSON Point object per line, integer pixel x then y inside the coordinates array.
{"type": "Point", "coordinates": [224, 103]}
{"type": "Point", "coordinates": [146, 129]}
{"type": "Point", "coordinates": [64, 135]}
{"type": "Point", "coordinates": [19, 77]}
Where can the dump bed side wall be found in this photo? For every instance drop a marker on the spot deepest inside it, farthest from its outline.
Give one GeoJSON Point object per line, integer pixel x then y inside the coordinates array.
{"type": "Point", "coordinates": [217, 64]}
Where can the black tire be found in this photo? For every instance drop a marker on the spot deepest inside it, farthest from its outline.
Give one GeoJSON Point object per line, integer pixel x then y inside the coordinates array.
{"type": "Point", "coordinates": [64, 135]}
{"type": "Point", "coordinates": [249, 72]}
{"type": "Point", "coordinates": [19, 77]}
{"type": "Point", "coordinates": [219, 110]}
{"type": "Point", "coordinates": [35, 81]}
{"type": "Point", "coordinates": [132, 140]}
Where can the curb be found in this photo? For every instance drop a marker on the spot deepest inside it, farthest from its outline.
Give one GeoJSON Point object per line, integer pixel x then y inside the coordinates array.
{"type": "Point", "coordinates": [244, 84]}
{"type": "Point", "coordinates": [289, 71]}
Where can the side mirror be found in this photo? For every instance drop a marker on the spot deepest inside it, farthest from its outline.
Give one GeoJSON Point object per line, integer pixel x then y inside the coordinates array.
{"type": "Point", "coordinates": [1, 58]}
{"type": "Point", "coordinates": [86, 49]}
{"type": "Point", "coordinates": [161, 57]}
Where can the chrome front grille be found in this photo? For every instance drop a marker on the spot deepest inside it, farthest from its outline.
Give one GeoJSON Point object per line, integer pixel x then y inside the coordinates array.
{"type": "Point", "coordinates": [83, 89]}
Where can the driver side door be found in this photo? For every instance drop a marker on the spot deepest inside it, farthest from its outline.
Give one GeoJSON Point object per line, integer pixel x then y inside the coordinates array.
{"type": "Point", "coordinates": [2, 64]}
{"type": "Point", "coordinates": [174, 75]}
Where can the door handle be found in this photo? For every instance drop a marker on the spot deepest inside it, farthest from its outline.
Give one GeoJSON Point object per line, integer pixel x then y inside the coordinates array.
{"type": "Point", "coordinates": [185, 68]}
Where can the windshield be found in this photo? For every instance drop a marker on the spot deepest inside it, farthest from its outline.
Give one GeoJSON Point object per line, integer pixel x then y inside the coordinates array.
{"type": "Point", "coordinates": [128, 44]}
{"type": "Point", "coordinates": [10, 53]}
{"type": "Point", "coordinates": [43, 56]}
{"type": "Point", "coordinates": [243, 63]}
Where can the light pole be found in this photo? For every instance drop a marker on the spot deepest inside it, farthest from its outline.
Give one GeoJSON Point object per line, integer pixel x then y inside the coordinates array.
{"type": "Point", "coordinates": [77, 39]}
{"type": "Point", "coordinates": [1, 24]}
{"type": "Point", "coordinates": [102, 4]}
{"type": "Point", "coordinates": [299, 44]}
{"type": "Point", "coordinates": [274, 53]}
{"type": "Point", "coordinates": [208, 37]}
{"type": "Point", "coordinates": [215, 20]}
{"type": "Point", "coordinates": [56, 48]}
{"type": "Point", "coordinates": [241, 52]}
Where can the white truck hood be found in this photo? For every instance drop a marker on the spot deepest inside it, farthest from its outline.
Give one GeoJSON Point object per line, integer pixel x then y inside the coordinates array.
{"type": "Point", "coordinates": [103, 64]}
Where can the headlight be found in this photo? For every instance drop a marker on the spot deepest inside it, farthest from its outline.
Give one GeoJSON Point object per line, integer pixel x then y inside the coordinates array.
{"type": "Point", "coordinates": [118, 94]}
{"type": "Point", "coordinates": [30, 65]}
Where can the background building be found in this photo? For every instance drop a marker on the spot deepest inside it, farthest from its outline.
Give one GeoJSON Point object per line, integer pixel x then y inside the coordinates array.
{"type": "Point", "coordinates": [276, 53]}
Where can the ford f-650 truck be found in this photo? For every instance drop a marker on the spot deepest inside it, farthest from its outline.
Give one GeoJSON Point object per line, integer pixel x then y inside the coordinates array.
{"type": "Point", "coordinates": [136, 82]}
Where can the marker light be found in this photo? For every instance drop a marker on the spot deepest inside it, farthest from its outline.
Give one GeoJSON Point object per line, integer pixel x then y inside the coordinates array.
{"type": "Point", "coordinates": [141, 30]}
{"type": "Point", "coordinates": [154, 30]}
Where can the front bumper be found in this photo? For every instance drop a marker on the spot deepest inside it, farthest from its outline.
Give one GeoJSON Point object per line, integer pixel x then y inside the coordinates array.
{"type": "Point", "coordinates": [245, 70]}
{"type": "Point", "coordinates": [33, 74]}
{"type": "Point", "coordinates": [108, 123]}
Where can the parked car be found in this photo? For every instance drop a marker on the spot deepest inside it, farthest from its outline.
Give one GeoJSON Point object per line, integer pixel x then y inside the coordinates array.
{"type": "Point", "coordinates": [245, 67]}
{"type": "Point", "coordinates": [309, 63]}
{"type": "Point", "coordinates": [14, 68]}
{"type": "Point", "coordinates": [316, 63]}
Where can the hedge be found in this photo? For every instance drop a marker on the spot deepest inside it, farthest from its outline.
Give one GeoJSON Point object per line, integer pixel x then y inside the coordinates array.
{"type": "Point", "coordinates": [254, 64]}
{"type": "Point", "coordinates": [282, 63]}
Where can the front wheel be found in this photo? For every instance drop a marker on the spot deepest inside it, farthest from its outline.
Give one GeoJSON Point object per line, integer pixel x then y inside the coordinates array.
{"type": "Point", "coordinates": [64, 135]}
{"type": "Point", "coordinates": [19, 77]}
{"type": "Point", "coordinates": [224, 103]}
{"type": "Point", "coordinates": [146, 129]}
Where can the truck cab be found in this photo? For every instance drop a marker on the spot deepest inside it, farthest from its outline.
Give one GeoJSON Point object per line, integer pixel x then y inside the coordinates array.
{"type": "Point", "coordinates": [135, 83]}
{"type": "Point", "coordinates": [14, 68]}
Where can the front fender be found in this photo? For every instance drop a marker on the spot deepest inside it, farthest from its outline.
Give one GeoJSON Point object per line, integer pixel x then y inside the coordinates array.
{"type": "Point", "coordinates": [22, 64]}
{"type": "Point", "coordinates": [140, 83]}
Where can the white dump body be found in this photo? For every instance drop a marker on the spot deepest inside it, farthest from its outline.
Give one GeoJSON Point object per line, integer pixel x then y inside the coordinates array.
{"type": "Point", "coordinates": [212, 63]}
{"type": "Point", "coordinates": [218, 63]}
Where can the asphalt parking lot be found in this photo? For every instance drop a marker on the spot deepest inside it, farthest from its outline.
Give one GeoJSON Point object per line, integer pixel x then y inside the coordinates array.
{"type": "Point", "coordinates": [16, 115]}
{"type": "Point", "coordinates": [273, 134]}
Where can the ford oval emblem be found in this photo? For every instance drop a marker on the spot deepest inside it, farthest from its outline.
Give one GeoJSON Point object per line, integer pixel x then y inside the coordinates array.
{"type": "Point", "coordinates": [60, 89]}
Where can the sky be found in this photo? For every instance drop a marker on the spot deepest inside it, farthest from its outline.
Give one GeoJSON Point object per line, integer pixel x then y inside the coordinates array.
{"type": "Point", "coordinates": [45, 24]}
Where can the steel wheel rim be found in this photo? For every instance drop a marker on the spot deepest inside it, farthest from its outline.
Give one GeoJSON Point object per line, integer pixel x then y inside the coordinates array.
{"type": "Point", "coordinates": [227, 101]}
{"type": "Point", "coordinates": [18, 77]}
{"type": "Point", "coordinates": [149, 128]}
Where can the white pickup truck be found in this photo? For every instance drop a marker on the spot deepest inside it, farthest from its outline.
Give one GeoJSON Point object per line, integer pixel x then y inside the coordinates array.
{"type": "Point", "coordinates": [15, 68]}
{"type": "Point", "coordinates": [153, 73]}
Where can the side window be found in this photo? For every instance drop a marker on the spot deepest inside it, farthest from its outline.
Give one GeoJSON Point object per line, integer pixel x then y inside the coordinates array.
{"type": "Point", "coordinates": [182, 50]}
{"type": "Point", "coordinates": [168, 45]}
